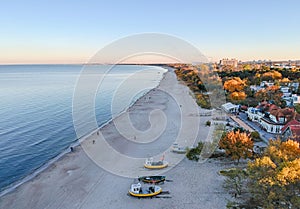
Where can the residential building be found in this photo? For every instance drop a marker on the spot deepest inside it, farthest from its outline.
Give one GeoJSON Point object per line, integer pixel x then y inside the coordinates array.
{"type": "Point", "coordinates": [291, 130]}
{"type": "Point", "coordinates": [271, 117]}
{"type": "Point", "coordinates": [230, 108]}
{"type": "Point", "coordinates": [264, 84]}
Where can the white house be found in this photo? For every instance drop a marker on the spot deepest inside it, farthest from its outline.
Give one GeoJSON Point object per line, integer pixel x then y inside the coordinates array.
{"type": "Point", "coordinates": [286, 91]}
{"type": "Point", "coordinates": [265, 83]}
{"type": "Point", "coordinates": [270, 126]}
{"type": "Point", "coordinates": [294, 85]}
{"type": "Point", "coordinates": [230, 108]}
{"type": "Point", "coordinates": [296, 99]}
{"type": "Point", "coordinates": [254, 114]}
{"type": "Point", "coordinates": [291, 100]}
{"type": "Point", "coordinates": [256, 88]}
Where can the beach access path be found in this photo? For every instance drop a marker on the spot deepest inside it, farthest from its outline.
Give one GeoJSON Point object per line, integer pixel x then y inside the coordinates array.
{"type": "Point", "coordinates": [75, 181]}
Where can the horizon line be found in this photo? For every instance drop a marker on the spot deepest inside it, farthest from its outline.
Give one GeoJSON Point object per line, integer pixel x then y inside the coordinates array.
{"type": "Point", "coordinates": [147, 63]}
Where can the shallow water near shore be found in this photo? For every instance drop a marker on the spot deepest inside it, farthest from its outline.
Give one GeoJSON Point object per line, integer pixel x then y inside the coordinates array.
{"type": "Point", "coordinates": [36, 121]}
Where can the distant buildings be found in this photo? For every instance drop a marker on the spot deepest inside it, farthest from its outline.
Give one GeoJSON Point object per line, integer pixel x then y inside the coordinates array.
{"type": "Point", "coordinates": [290, 64]}
{"type": "Point", "coordinates": [229, 62]}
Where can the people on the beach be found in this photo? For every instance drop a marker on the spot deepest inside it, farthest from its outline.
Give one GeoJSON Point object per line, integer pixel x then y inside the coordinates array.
{"type": "Point", "coordinates": [72, 149]}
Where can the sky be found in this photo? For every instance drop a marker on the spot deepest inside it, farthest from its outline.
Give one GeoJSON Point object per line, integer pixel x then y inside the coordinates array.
{"type": "Point", "coordinates": [72, 31]}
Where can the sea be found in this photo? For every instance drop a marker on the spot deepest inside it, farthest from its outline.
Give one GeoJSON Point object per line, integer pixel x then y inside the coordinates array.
{"type": "Point", "coordinates": [37, 110]}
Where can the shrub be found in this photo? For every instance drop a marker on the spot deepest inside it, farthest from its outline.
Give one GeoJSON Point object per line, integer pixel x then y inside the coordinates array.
{"type": "Point", "coordinates": [208, 123]}
{"type": "Point", "coordinates": [193, 154]}
{"type": "Point", "coordinates": [255, 135]}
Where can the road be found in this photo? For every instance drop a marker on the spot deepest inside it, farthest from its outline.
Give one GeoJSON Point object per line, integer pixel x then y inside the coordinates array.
{"type": "Point", "coordinates": [265, 136]}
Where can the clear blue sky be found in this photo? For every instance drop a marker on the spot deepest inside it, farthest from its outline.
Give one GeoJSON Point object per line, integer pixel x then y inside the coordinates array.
{"type": "Point", "coordinates": [62, 31]}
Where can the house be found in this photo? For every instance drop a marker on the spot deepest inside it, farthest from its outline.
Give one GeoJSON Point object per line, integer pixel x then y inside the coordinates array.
{"type": "Point", "coordinates": [285, 91]}
{"type": "Point", "coordinates": [270, 126]}
{"type": "Point", "coordinates": [256, 88]}
{"type": "Point", "coordinates": [291, 130]}
{"type": "Point", "coordinates": [254, 114]}
{"type": "Point", "coordinates": [230, 108]}
{"type": "Point", "coordinates": [296, 99]}
{"type": "Point", "coordinates": [264, 84]}
{"type": "Point", "coordinates": [294, 86]}
{"type": "Point", "coordinates": [291, 100]}
{"type": "Point", "coordinates": [271, 117]}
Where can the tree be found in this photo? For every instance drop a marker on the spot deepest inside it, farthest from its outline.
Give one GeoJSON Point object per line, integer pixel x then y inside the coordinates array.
{"type": "Point", "coordinates": [237, 145]}
{"type": "Point", "coordinates": [270, 93]}
{"type": "Point", "coordinates": [255, 135]}
{"type": "Point", "coordinates": [235, 86]}
{"type": "Point", "coordinates": [271, 75]}
{"type": "Point", "coordinates": [247, 67]}
{"type": "Point", "coordinates": [274, 178]}
{"type": "Point", "coordinates": [297, 108]}
{"type": "Point", "coordinates": [237, 96]}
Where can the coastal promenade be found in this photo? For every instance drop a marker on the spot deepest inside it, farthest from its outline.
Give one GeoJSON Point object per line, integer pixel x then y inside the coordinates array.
{"type": "Point", "coordinates": [75, 181]}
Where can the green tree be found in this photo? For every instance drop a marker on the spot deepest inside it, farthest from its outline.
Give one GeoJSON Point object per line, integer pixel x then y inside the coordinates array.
{"type": "Point", "coordinates": [297, 108]}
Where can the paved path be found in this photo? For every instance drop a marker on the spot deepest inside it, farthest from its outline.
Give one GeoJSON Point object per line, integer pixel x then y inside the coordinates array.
{"type": "Point", "coordinates": [241, 123]}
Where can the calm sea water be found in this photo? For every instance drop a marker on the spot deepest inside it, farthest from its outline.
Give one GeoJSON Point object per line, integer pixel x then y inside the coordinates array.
{"type": "Point", "coordinates": [36, 122]}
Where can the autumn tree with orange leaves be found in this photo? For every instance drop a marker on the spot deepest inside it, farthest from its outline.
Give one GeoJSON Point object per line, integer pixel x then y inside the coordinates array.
{"type": "Point", "coordinates": [272, 75]}
{"type": "Point", "coordinates": [237, 145]}
{"type": "Point", "coordinates": [271, 93]}
{"type": "Point", "coordinates": [235, 87]}
{"type": "Point", "coordinates": [274, 178]}
{"type": "Point", "coordinates": [271, 181]}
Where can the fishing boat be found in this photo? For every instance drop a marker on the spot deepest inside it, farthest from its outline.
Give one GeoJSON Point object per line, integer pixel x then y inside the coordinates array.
{"type": "Point", "coordinates": [137, 190]}
{"type": "Point", "coordinates": [152, 179]}
{"type": "Point", "coordinates": [177, 149]}
{"type": "Point", "coordinates": [150, 164]}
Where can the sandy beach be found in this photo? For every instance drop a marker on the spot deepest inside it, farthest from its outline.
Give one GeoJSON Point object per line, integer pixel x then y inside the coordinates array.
{"type": "Point", "coordinates": [100, 171]}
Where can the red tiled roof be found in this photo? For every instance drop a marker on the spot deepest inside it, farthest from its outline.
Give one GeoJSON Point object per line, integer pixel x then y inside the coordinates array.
{"type": "Point", "coordinates": [294, 126]}
{"type": "Point", "coordinates": [272, 107]}
{"type": "Point", "coordinates": [244, 107]}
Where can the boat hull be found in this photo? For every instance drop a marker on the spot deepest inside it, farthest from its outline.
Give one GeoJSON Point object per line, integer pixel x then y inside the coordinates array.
{"type": "Point", "coordinates": [145, 195]}
{"type": "Point", "coordinates": [152, 179]}
{"type": "Point", "coordinates": [179, 150]}
{"type": "Point", "coordinates": [156, 166]}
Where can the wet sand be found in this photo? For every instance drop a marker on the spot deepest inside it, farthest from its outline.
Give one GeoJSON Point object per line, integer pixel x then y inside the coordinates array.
{"type": "Point", "coordinates": [80, 179]}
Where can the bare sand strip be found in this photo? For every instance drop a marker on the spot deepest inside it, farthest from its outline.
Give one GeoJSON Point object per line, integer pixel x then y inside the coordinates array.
{"type": "Point", "coordinates": [76, 181]}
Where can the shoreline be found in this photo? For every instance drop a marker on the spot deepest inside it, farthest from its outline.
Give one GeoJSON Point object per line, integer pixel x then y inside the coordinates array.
{"type": "Point", "coordinates": [77, 143]}
{"type": "Point", "coordinates": [75, 181]}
